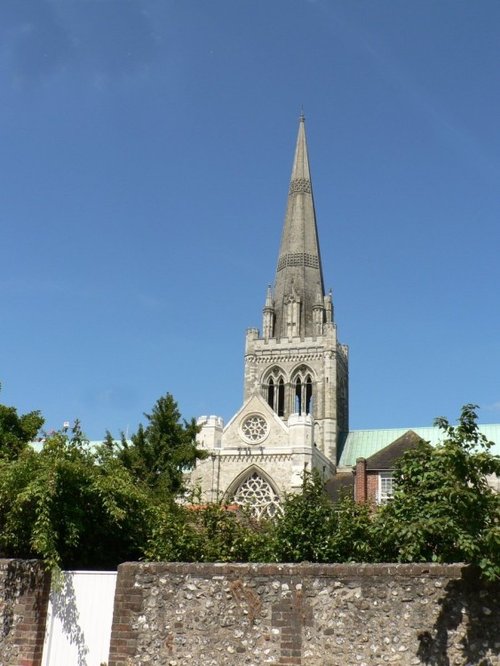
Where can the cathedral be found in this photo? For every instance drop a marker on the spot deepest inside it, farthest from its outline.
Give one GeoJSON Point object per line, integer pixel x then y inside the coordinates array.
{"type": "Point", "coordinates": [295, 403]}
{"type": "Point", "coordinates": [295, 411]}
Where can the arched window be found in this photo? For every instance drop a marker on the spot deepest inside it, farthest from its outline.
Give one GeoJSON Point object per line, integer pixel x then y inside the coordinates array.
{"type": "Point", "coordinates": [256, 493]}
{"type": "Point", "coordinates": [281, 397]}
{"type": "Point", "coordinates": [273, 389]}
{"type": "Point", "coordinates": [298, 396]}
{"type": "Point", "coordinates": [303, 386]}
{"type": "Point", "coordinates": [270, 393]}
{"type": "Point", "coordinates": [309, 393]}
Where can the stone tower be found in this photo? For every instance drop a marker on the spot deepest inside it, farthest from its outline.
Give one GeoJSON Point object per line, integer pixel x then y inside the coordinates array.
{"type": "Point", "coordinates": [297, 364]}
{"type": "Point", "coordinates": [296, 375]}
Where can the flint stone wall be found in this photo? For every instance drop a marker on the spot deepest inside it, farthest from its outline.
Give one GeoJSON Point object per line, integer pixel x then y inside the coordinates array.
{"type": "Point", "coordinates": [24, 596]}
{"type": "Point", "coordinates": [318, 615]}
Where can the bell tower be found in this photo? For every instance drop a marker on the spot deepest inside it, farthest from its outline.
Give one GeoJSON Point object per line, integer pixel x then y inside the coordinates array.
{"type": "Point", "coordinates": [296, 376]}
{"type": "Point", "coordinates": [297, 364]}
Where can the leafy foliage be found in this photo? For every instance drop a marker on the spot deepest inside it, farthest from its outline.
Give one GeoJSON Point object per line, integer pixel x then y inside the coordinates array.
{"type": "Point", "coordinates": [161, 453]}
{"type": "Point", "coordinates": [71, 507]}
{"type": "Point", "coordinates": [17, 431]}
{"type": "Point", "coordinates": [76, 508]}
{"type": "Point", "coordinates": [443, 509]}
{"type": "Point", "coordinates": [173, 537]}
{"type": "Point", "coordinates": [210, 533]}
{"type": "Point", "coordinates": [312, 529]}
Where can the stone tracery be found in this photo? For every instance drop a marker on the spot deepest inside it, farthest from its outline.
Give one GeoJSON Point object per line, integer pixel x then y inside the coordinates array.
{"type": "Point", "coordinates": [254, 428]}
{"type": "Point", "coordinates": [257, 494]}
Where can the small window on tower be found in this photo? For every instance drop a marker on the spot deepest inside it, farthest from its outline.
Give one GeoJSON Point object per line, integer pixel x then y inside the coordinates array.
{"type": "Point", "coordinates": [281, 397]}
{"type": "Point", "coordinates": [298, 396]}
{"type": "Point", "coordinates": [270, 393]}
{"type": "Point", "coordinates": [309, 392]}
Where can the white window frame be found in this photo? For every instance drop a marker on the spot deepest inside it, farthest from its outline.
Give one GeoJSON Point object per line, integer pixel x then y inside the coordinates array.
{"type": "Point", "coordinates": [385, 487]}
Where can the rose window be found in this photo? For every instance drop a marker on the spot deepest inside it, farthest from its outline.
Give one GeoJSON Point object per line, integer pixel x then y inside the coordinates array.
{"type": "Point", "coordinates": [254, 429]}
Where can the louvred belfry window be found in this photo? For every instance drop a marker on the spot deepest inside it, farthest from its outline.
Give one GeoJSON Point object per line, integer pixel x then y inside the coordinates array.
{"type": "Point", "coordinates": [303, 385]}
{"type": "Point", "coordinates": [274, 387]}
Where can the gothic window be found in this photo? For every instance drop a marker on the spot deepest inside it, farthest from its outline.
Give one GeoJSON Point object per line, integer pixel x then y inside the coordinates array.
{"type": "Point", "coordinates": [270, 393]}
{"type": "Point", "coordinates": [298, 396]}
{"type": "Point", "coordinates": [303, 391]}
{"type": "Point", "coordinates": [281, 397]}
{"type": "Point", "coordinates": [274, 390]}
{"type": "Point", "coordinates": [308, 393]}
{"type": "Point", "coordinates": [257, 494]}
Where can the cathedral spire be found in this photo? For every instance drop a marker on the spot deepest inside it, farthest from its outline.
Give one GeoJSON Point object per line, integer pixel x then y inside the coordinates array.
{"type": "Point", "coordinates": [299, 274]}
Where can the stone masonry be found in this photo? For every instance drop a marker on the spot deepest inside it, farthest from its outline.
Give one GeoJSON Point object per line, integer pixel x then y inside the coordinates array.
{"type": "Point", "coordinates": [316, 615]}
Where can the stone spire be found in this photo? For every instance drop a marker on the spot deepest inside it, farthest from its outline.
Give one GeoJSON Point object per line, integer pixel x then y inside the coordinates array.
{"type": "Point", "coordinates": [299, 276]}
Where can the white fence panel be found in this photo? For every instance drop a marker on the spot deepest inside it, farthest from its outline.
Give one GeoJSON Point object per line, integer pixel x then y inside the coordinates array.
{"type": "Point", "coordinates": [79, 620]}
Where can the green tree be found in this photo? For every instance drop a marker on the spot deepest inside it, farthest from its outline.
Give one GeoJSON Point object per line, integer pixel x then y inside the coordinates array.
{"type": "Point", "coordinates": [310, 528]}
{"type": "Point", "coordinates": [313, 529]}
{"type": "Point", "coordinates": [17, 431]}
{"type": "Point", "coordinates": [160, 453]}
{"type": "Point", "coordinates": [443, 509]}
{"type": "Point", "coordinates": [234, 536]}
{"type": "Point", "coordinates": [71, 506]}
{"type": "Point", "coordinates": [174, 536]}
{"type": "Point", "coordinates": [209, 533]}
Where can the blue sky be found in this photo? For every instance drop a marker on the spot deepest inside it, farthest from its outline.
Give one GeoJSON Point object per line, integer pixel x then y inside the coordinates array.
{"type": "Point", "coordinates": [145, 152]}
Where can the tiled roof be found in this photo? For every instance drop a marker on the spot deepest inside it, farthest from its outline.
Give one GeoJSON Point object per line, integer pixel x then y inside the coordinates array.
{"type": "Point", "coordinates": [364, 443]}
{"type": "Point", "coordinates": [339, 485]}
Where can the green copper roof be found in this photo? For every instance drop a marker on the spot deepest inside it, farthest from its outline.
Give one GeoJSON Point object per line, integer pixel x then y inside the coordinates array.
{"type": "Point", "coordinates": [364, 443]}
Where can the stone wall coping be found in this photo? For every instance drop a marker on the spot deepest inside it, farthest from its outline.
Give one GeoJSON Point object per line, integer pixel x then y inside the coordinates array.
{"type": "Point", "coordinates": [304, 569]}
{"type": "Point", "coordinates": [5, 561]}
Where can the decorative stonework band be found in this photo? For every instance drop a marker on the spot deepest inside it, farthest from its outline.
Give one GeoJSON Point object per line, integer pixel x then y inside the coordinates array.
{"type": "Point", "coordinates": [298, 259]}
{"type": "Point", "coordinates": [287, 358]}
{"type": "Point", "coordinates": [302, 185]}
